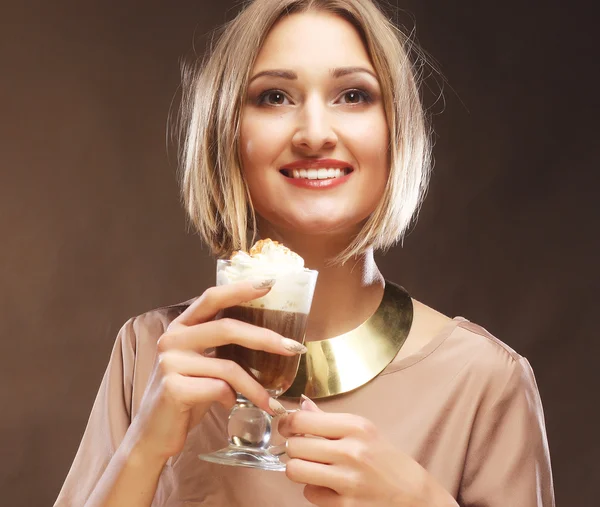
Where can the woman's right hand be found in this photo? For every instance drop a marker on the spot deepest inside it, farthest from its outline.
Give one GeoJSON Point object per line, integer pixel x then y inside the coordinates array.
{"type": "Point", "coordinates": [185, 382]}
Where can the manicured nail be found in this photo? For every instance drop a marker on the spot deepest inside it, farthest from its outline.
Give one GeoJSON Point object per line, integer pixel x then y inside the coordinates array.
{"type": "Point", "coordinates": [277, 407]}
{"type": "Point", "coordinates": [293, 346]}
{"type": "Point", "coordinates": [264, 284]}
{"type": "Point", "coordinates": [307, 402]}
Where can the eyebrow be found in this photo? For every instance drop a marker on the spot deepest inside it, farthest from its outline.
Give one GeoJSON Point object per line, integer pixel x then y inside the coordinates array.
{"type": "Point", "coordinates": [291, 75]}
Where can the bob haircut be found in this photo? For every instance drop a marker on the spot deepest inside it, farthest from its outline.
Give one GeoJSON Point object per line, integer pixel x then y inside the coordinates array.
{"type": "Point", "coordinates": [214, 192]}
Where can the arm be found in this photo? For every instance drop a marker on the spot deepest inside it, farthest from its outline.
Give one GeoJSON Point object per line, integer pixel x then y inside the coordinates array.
{"type": "Point", "coordinates": [110, 467]}
{"type": "Point", "coordinates": [119, 461]}
{"type": "Point", "coordinates": [107, 425]}
{"type": "Point", "coordinates": [508, 461]}
{"type": "Point", "coordinates": [131, 477]}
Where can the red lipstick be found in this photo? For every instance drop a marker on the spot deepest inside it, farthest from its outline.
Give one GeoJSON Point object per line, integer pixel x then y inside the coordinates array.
{"type": "Point", "coordinates": [312, 164]}
{"type": "Point", "coordinates": [317, 163]}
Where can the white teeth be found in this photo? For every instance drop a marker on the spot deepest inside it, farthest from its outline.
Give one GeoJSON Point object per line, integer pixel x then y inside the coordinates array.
{"type": "Point", "coordinates": [321, 174]}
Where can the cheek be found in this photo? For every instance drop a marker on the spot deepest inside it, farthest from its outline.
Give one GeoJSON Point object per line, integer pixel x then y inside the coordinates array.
{"type": "Point", "coordinates": [368, 138]}
{"type": "Point", "coordinates": [261, 141]}
{"type": "Point", "coordinates": [370, 144]}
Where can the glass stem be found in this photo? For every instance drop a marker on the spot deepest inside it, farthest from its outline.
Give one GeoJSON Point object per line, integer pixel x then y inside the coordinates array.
{"type": "Point", "coordinates": [249, 426]}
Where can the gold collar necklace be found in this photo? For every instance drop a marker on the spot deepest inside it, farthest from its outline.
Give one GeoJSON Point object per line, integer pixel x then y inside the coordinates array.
{"type": "Point", "coordinates": [346, 362]}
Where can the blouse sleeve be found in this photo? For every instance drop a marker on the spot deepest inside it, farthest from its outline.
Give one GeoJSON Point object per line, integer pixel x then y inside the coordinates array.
{"type": "Point", "coordinates": [108, 422]}
{"type": "Point", "coordinates": [508, 461]}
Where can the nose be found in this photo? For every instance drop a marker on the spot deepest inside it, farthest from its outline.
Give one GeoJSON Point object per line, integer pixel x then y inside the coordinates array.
{"type": "Point", "coordinates": [315, 131]}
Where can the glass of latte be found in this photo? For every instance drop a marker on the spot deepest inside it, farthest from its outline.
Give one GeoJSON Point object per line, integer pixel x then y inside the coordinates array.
{"type": "Point", "coordinates": [284, 309]}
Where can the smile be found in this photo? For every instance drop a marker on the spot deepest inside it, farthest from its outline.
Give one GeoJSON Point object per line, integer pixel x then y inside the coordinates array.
{"type": "Point", "coordinates": [316, 174]}
{"type": "Point", "coordinates": [317, 179]}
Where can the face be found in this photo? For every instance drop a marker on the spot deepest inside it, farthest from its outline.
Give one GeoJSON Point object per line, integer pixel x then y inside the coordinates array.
{"type": "Point", "coordinates": [314, 137]}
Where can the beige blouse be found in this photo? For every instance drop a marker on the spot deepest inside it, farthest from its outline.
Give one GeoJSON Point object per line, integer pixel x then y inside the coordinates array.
{"type": "Point", "coordinates": [466, 407]}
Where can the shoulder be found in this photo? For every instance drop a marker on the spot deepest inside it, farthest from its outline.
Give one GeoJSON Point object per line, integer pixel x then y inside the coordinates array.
{"type": "Point", "coordinates": [469, 340]}
{"type": "Point", "coordinates": [493, 368]}
{"type": "Point", "coordinates": [485, 351]}
{"type": "Point", "coordinates": [135, 349]}
{"type": "Point", "coordinates": [485, 343]}
{"type": "Point", "coordinates": [468, 352]}
{"type": "Point", "coordinates": [429, 323]}
{"type": "Point", "coordinates": [146, 328]}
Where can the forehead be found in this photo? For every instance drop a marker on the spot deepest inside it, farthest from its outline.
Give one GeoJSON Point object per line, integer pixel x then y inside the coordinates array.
{"type": "Point", "coordinates": [310, 40]}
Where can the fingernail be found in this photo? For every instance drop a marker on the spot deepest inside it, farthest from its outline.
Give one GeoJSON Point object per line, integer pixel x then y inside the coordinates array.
{"type": "Point", "coordinates": [277, 407]}
{"type": "Point", "coordinates": [264, 284]}
{"type": "Point", "coordinates": [306, 401]}
{"type": "Point", "coordinates": [293, 346]}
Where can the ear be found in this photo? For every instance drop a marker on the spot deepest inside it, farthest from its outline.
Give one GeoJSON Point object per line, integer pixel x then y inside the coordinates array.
{"type": "Point", "coordinates": [309, 405]}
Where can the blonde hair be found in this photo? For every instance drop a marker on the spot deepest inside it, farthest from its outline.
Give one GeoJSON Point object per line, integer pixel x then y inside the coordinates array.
{"type": "Point", "coordinates": [214, 192]}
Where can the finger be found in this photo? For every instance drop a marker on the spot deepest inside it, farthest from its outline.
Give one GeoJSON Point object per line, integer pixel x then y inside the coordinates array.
{"type": "Point", "coordinates": [193, 391]}
{"type": "Point", "coordinates": [228, 331]}
{"type": "Point", "coordinates": [318, 450]}
{"type": "Point", "coordinates": [225, 396]}
{"type": "Point", "coordinates": [228, 396]}
{"type": "Point", "coordinates": [197, 366]}
{"type": "Point", "coordinates": [326, 425]}
{"type": "Point", "coordinates": [348, 452]}
{"type": "Point", "coordinates": [308, 404]}
{"type": "Point", "coordinates": [317, 474]}
{"type": "Point", "coordinates": [214, 299]}
{"type": "Point", "coordinates": [223, 393]}
{"type": "Point", "coordinates": [323, 497]}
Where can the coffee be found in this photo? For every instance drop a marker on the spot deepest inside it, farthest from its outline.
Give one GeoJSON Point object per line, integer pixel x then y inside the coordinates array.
{"type": "Point", "coordinates": [283, 309]}
{"type": "Point", "coordinates": [273, 371]}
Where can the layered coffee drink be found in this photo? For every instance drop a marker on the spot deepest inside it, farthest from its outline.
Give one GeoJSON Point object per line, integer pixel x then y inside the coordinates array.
{"type": "Point", "coordinates": [273, 371]}
{"type": "Point", "coordinates": [284, 309]}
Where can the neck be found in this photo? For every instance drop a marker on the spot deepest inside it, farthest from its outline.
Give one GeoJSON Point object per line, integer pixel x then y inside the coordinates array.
{"type": "Point", "coordinates": [345, 296]}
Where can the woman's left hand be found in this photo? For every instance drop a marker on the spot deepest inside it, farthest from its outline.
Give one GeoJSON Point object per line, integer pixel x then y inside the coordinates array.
{"type": "Point", "coordinates": [352, 464]}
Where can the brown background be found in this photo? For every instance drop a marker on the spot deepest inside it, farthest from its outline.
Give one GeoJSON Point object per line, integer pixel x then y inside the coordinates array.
{"type": "Point", "coordinates": [92, 231]}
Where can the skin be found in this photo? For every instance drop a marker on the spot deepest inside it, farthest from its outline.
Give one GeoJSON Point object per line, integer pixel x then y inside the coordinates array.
{"type": "Point", "coordinates": [352, 464]}
{"type": "Point", "coordinates": [183, 385]}
{"type": "Point", "coordinates": [314, 116]}
{"type": "Point", "coordinates": [318, 116]}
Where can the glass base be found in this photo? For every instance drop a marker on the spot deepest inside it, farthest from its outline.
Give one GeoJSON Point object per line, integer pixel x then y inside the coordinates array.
{"type": "Point", "coordinates": [238, 456]}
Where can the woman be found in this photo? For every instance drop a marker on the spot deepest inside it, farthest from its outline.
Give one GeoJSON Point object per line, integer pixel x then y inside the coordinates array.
{"type": "Point", "coordinates": [454, 418]}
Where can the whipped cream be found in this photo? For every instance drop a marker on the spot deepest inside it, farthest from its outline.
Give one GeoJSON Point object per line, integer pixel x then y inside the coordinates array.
{"type": "Point", "coordinates": [294, 284]}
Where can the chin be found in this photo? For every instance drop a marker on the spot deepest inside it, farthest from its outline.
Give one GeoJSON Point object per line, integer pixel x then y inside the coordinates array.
{"type": "Point", "coordinates": [315, 225]}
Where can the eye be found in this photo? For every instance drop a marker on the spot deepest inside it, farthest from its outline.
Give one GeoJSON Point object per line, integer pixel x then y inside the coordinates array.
{"type": "Point", "coordinates": [272, 98]}
{"type": "Point", "coordinates": [355, 97]}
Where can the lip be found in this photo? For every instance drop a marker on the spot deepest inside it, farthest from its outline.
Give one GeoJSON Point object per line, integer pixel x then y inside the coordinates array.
{"type": "Point", "coordinates": [318, 184]}
{"type": "Point", "coordinates": [317, 163]}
